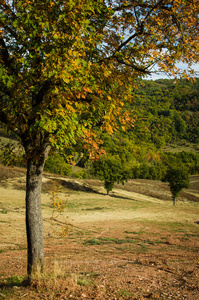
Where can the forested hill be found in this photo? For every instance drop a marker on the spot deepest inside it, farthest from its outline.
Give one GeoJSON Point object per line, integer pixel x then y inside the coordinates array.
{"type": "Point", "coordinates": [166, 111]}
{"type": "Point", "coordinates": [166, 117]}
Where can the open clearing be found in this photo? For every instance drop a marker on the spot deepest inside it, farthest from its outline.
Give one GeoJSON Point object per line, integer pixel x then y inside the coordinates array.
{"type": "Point", "coordinates": [132, 244]}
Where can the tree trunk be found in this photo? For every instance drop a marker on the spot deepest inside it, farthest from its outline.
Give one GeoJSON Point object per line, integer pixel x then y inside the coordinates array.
{"type": "Point", "coordinates": [34, 220]}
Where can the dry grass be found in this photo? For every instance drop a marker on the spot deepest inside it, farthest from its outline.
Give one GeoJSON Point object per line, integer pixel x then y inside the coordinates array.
{"type": "Point", "coordinates": [128, 245]}
{"type": "Point", "coordinates": [11, 172]}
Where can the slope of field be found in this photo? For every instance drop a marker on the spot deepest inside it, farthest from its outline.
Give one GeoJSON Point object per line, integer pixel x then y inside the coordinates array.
{"type": "Point", "coordinates": [132, 244]}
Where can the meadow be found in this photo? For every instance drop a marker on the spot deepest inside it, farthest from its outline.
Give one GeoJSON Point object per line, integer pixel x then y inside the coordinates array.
{"type": "Point", "coordinates": [132, 244]}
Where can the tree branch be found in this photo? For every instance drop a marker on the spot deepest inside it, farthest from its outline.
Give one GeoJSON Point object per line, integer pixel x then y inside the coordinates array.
{"type": "Point", "coordinates": [42, 92]}
{"type": "Point", "coordinates": [5, 57]}
{"type": "Point", "coordinates": [139, 69]}
{"type": "Point", "coordinates": [3, 118]}
{"type": "Point", "coordinates": [4, 52]}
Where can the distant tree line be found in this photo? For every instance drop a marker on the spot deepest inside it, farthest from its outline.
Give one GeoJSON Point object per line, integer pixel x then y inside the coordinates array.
{"type": "Point", "coordinates": [110, 169]}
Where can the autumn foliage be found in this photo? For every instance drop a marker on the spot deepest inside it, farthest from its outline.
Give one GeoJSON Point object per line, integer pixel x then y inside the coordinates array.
{"type": "Point", "coordinates": [67, 66]}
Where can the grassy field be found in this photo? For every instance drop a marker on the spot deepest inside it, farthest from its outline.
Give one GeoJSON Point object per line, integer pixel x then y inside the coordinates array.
{"type": "Point", "coordinates": [132, 244]}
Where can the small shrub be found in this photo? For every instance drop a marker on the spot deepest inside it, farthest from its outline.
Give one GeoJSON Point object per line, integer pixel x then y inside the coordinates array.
{"type": "Point", "coordinates": [15, 280]}
{"type": "Point", "coordinates": [81, 174]}
{"type": "Point", "coordinates": [58, 206]}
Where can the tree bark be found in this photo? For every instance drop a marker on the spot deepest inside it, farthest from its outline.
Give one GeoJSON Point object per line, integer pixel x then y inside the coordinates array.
{"type": "Point", "coordinates": [34, 220]}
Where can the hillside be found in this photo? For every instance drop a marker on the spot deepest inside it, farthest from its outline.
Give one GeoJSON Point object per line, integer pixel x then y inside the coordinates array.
{"type": "Point", "coordinates": [166, 111]}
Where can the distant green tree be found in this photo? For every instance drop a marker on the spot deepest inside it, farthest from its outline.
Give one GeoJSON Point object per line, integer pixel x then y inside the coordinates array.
{"type": "Point", "coordinates": [110, 170]}
{"type": "Point", "coordinates": [178, 178]}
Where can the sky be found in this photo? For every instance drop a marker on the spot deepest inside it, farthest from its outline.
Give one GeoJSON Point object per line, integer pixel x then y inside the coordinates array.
{"type": "Point", "coordinates": [164, 76]}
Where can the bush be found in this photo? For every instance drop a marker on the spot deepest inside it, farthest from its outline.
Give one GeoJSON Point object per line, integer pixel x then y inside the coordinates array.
{"type": "Point", "coordinates": [56, 164]}
{"type": "Point", "coordinates": [80, 174]}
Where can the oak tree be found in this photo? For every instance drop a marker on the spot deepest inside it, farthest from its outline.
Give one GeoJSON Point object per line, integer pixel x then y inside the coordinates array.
{"type": "Point", "coordinates": [67, 66]}
{"type": "Point", "coordinates": [178, 179]}
{"type": "Point", "coordinates": [110, 169]}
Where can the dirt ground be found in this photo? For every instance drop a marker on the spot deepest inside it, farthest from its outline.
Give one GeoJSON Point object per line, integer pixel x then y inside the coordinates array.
{"type": "Point", "coordinates": [133, 244]}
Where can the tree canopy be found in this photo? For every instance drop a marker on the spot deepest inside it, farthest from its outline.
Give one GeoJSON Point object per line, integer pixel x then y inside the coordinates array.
{"type": "Point", "coordinates": [62, 61]}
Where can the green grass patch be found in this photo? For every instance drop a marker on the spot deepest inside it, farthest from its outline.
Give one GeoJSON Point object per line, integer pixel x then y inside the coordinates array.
{"type": "Point", "coordinates": [191, 234]}
{"type": "Point", "coordinates": [5, 222]}
{"type": "Point", "coordinates": [72, 205]}
{"type": "Point", "coordinates": [132, 232]}
{"type": "Point", "coordinates": [92, 242]}
{"type": "Point", "coordinates": [14, 281]}
{"type": "Point", "coordinates": [83, 281]}
{"type": "Point", "coordinates": [159, 242]}
{"type": "Point", "coordinates": [184, 238]}
{"type": "Point", "coordinates": [125, 294]}
{"type": "Point", "coordinates": [86, 279]}
{"type": "Point", "coordinates": [46, 205]}
{"type": "Point", "coordinates": [94, 208]}
{"type": "Point", "coordinates": [8, 284]}
{"type": "Point", "coordinates": [101, 241]}
{"type": "Point", "coordinates": [144, 246]}
{"type": "Point", "coordinates": [127, 240]}
{"type": "Point", "coordinates": [178, 227]}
